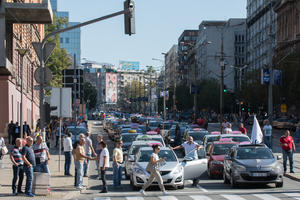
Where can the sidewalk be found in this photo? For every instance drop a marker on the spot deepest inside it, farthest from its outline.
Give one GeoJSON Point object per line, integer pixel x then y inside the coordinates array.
{"type": "Point", "coordinates": [62, 187]}
{"type": "Point", "coordinates": [295, 176]}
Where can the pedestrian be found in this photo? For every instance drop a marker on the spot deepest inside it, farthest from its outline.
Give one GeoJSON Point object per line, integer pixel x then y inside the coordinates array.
{"type": "Point", "coordinates": [267, 130]}
{"type": "Point", "coordinates": [117, 164]}
{"type": "Point", "coordinates": [26, 129]}
{"type": "Point", "coordinates": [10, 129]}
{"type": "Point", "coordinates": [152, 168]}
{"type": "Point", "coordinates": [178, 137]}
{"type": "Point", "coordinates": [29, 160]}
{"type": "Point", "coordinates": [104, 164]}
{"type": "Point", "coordinates": [2, 145]}
{"type": "Point", "coordinates": [42, 156]}
{"type": "Point", "coordinates": [190, 148]}
{"type": "Point", "coordinates": [89, 150]}
{"type": "Point", "coordinates": [157, 130]}
{"type": "Point", "coordinates": [228, 130]}
{"type": "Point", "coordinates": [98, 152]}
{"type": "Point", "coordinates": [68, 153]}
{"type": "Point", "coordinates": [16, 133]}
{"type": "Point", "coordinates": [57, 135]}
{"type": "Point", "coordinates": [205, 123]}
{"type": "Point", "coordinates": [36, 133]}
{"type": "Point", "coordinates": [80, 156]}
{"type": "Point", "coordinates": [75, 145]}
{"type": "Point", "coordinates": [242, 129]}
{"type": "Point", "coordinates": [288, 148]}
{"type": "Point", "coordinates": [18, 167]}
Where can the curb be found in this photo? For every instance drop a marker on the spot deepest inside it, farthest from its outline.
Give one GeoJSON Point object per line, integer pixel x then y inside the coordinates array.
{"type": "Point", "coordinates": [295, 178]}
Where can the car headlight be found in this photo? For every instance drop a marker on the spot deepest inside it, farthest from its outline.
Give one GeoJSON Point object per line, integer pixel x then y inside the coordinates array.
{"type": "Point", "coordinates": [178, 169]}
{"type": "Point", "coordinates": [216, 162]}
{"type": "Point", "coordinates": [239, 168]}
{"type": "Point", "coordinates": [139, 171]}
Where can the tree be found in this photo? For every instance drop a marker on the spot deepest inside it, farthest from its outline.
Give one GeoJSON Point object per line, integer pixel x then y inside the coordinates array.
{"type": "Point", "coordinates": [90, 95]}
{"type": "Point", "coordinates": [59, 60]}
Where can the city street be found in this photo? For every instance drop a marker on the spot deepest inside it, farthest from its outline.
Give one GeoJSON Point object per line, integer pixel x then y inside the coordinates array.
{"type": "Point", "coordinates": [207, 188]}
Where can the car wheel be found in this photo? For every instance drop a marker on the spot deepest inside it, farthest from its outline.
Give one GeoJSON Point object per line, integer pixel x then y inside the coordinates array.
{"type": "Point", "coordinates": [226, 180]}
{"type": "Point", "coordinates": [232, 182]}
{"type": "Point", "coordinates": [279, 185]}
{"type": "Point", "coordinates": [180, 187]}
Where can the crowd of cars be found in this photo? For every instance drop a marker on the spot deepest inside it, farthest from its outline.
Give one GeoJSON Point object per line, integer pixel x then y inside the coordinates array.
{"type": "Point", "coordinates": [230, 157]}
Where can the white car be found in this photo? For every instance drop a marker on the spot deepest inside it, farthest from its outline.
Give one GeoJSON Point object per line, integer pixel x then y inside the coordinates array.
{"type": "Point", "coordinates": [240, 138]}
{"type": "Point", "coordinates": [130, 155]}
{"type": "Point", "coordinates": [151, 137]}
{"type": "Point", "coordinates": [173, 172]}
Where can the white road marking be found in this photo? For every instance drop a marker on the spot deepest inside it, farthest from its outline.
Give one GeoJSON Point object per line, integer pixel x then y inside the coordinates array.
{"type": "Point", "coordinates": [201, 188]}
{"type": "Point", "coordinates": [266, 197]}
{"type": "Point", "coordinates": [168, 198]}
{"type": "Point", "coordinates": [293, 195]}
{"type": "Point", "coordinates": [134, 198]}
{"type": "Point", "coordinates": [202, 197]}
{"type": "Point", "coordinates": [232, 197]}
{"type": "Point", "coordinates": [101, 198]}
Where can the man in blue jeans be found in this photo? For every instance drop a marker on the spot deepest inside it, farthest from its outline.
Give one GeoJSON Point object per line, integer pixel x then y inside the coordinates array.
{"type": "Point", "coordinates": [29, 160]}
{"type": "Point", "coordinates": [88, 148]}
{"type": "Point", "coordinates": [68, 147]}
{"type": "Point", "coordinates": [117, 164]}
{"type": "Point", "coordinates": [42, 155]}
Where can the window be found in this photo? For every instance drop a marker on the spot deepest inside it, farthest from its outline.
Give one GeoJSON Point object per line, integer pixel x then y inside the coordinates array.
{"type": "Point", "coordinates": [61, 40]}
{"type": "Point", "coordinates": [67, 40]}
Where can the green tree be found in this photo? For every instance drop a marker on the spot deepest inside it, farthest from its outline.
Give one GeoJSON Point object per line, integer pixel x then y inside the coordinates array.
{"type": "Point", "coordinates": [59, 60]}
{"type": "Point", "coordinates": [90, 95]}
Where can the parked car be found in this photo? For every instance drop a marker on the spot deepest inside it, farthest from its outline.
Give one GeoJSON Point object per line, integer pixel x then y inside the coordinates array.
{"type": "Point", "coordinates": [253, 163]}
{"type": "Point", "coordinates": [209, 139]}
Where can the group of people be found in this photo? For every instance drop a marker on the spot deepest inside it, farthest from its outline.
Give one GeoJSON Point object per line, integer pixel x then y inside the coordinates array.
{"type": "Point", "coordinates": [14, 131]}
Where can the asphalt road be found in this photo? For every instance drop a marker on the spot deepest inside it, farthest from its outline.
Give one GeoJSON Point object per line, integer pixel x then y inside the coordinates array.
{"type": "Point", "coordinates": [206, 190]}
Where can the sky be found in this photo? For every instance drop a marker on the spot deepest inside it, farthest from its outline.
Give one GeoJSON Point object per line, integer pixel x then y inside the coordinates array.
{"type": "Point", "coordinates": [159, 23]}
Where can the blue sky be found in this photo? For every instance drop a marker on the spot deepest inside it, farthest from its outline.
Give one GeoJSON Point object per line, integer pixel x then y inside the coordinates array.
{"type": "Point", "coordinates": [159, 23]}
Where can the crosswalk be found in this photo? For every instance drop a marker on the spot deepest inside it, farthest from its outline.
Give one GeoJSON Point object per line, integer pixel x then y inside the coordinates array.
{"type": "Point", "coordinates": [260, 196]}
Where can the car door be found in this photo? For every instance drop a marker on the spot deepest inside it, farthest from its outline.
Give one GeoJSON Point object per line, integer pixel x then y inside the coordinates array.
{"type": "Point", "coordinates": [195, 168]}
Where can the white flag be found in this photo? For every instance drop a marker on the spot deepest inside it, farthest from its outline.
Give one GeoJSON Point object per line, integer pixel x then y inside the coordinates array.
{"type": "Point", "coordinates": [256, 135]}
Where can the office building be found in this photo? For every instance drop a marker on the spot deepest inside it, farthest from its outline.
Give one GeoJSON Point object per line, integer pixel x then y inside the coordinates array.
{"type": "Point", "coordinates": [171, 66]}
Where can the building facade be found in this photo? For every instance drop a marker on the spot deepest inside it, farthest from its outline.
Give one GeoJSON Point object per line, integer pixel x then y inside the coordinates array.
{"type": "Point", "coordinates": [70, 40]}
{"type": "Point", "coordinates": [18, 32]}
{"type": "Point", "coordinates": [261, 33]}
{"type": "Point", "coordinates": [171, 66]}
{"type": "Point", "coordinates": [186, 42]}
{"type": "Point", "coordinates": [207, 51]}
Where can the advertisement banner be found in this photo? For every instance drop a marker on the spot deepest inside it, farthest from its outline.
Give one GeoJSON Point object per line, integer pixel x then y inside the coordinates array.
{"type": "Point", "coordinates": [129, 65]}
{"type": "Point", "coordinates": [265, 76]}
{"type": "Point", "coordinates": [111, 94]}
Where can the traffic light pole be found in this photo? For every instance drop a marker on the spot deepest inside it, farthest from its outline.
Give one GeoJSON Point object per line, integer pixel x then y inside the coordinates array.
{"type": "Point", "coordinates": [42, 59]}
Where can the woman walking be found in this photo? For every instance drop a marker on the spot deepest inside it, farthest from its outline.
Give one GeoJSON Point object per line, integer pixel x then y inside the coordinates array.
{"type": "Point", "coordinates": [152, 167]}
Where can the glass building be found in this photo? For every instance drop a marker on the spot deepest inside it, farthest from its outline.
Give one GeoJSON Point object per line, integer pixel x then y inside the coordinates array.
{"type": "Point", "coordinates": [70, 40]}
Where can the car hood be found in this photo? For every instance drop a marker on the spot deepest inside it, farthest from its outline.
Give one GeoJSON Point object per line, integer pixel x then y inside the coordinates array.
{"type": "Point", "coordinates": [169, 166]}
{"type": "Point", "coordinates": [218, 157]}
{"type": "Point", "coordinates": [253, 163]}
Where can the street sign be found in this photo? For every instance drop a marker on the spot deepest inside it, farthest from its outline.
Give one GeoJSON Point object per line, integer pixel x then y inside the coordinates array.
{"type": "Point", "coordinates": [283, 108]}
{"type": "Point", "coordinates": [48, 75]}
{"type": "Point", "coordinates": [47, 50]}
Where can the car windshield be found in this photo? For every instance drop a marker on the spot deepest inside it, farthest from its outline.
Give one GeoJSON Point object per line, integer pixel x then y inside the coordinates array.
{"type": "Point", "coordinates": [198, 135]}
{"type": "Point", "coordinates": [238, 138]}
{"type": "Point", "coordinates": [221, 149]}
{"type": "Point", "coordinates": [212, 139]}
{"type": "Point", "coordinates": [253, 153]}
{"type": "Point", "coordinates": [135, 148]}
{"type": "Point", "coordinates": [128, 138]}
{"type": "Point", "coordinates": [167, 154]}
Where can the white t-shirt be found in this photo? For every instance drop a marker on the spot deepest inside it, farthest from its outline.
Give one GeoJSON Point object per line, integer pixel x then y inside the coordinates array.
{"type": "Point", "coordinates": [268, 130]}
{"type": "Point", "coordinates": [228, 131]}
{"type": "Point", "coordinates": [68, 144]}
{"type": "Point", "coordinates": [104, 152]}
{"type": "Point", "coordinates": [155, 156]}
{"type": "Point", "coordinates": [1, 142]}
{"type": "Point", "coordinates": [87, 146]}
{"type": "Point", "coordinates": [189, 147]}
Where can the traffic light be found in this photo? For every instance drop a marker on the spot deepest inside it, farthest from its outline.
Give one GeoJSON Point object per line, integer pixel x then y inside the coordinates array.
{"type": "Point", "coordinates": [167, 108]}
{"type": "Point", "coordinates": [129, 17]}
{"type": "Point", "coordinates": [225, 88]}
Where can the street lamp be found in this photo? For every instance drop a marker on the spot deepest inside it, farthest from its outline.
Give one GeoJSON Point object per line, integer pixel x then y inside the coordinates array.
{"type": "Point", "coordinates": [22, 52]}
{"type": "Point", "coordinates": [240, 69]}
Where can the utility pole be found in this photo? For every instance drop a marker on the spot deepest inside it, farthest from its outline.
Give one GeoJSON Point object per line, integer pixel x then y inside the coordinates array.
{"type": "Point", "coordinates": [164, 93]}
{"type": "Point", "coordinates": [195, 89]}
{"type": "Point", "coordinates": [75, 88]}
{"type": "Point", "coordinates": [270, 60]}
{"type": "Point", "coordinates": [222, 65]}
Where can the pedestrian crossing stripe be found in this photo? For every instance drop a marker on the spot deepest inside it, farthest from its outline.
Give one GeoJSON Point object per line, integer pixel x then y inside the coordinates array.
{"type": "Point", "coordinates": [202, 197]}
{"type": "Point", "coordinates": [232, 197]}
{"type": "Point", "coordinates": [134, 198]}
{"type": "Point", "coordinates": [168, 198]}
{"type": "Point", "coordinates": [293, 195]}
{"type": "Point", "coordinates": [266, 197]}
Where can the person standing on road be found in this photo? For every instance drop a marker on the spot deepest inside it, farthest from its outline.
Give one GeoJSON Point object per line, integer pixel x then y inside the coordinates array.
{"type": "Point", "coordinates": [228, 129]}
{"type": "Point", "coordinates": [16, 133]}
{"type": "Point", "coordinates": [117, 164]}
{"type": "Point", "coordinates": [42, 155]}
{"type": "Point", "coordinates": [267, 129]}
{"type": "Point", "coordinates": [76, 143]}
{"type": "Point", "coordinates": [80, 156]}
{"type": "Point", "coordinates": [189, 147]}
{"type": "Point", "coordinates": [242, 129]}
{"type": "Point", "coordinates": [104, 164]}
{"type": "Point", "coordinates": [98, 152]}
{"type": "Point", "coordinates": [68, 153]}
{"type": "Point", "coordinates": [152, 167]}
{"type": "Point", "coordinates": [89, 149]}
{"type": "Point", "coordinates": [29, 160]}
{"type": "Point", "coordinates": [10, 129]}
{"type": "Point", "coordinates": [18, 169]}
{"type": "Point", "coordinates": [26, 129]}
{"type": "Point", "coordinates": [288, 148]}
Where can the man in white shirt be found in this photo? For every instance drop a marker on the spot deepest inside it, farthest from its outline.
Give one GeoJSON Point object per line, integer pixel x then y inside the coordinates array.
{"type": "Point", "coordinates": [268, 134]}
{"type": "Point", "coordinates": [68, 147]}
{"type": "Point", "coordinates": [104, 164]}
{"type": "Point", "coordinates": [228, 130]}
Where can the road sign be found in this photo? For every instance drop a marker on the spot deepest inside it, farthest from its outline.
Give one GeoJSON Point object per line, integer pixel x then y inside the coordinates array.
{"type": "Point", "coordinates": [49, 46]}
{"type": "Point", "coordinates": [283, 108]}
{"type": "Point", "coordinates": [48, 75]}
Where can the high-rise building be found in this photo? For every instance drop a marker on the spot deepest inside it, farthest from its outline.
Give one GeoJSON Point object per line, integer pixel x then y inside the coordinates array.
{"type": "Point", "coordinates": [207, 51]}
{"type": "Point", "coordinates": [70, 40]}
{"type": "Point", "coordinates": [260, 16]}
{"type": "Point", "coordinates": [171, 66]}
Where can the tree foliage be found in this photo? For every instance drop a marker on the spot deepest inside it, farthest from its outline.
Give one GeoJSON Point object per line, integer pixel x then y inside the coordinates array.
{"type": "Point", "coordinates": [90, 95]}
{"type": "Point", "coordinates": [59, 60]}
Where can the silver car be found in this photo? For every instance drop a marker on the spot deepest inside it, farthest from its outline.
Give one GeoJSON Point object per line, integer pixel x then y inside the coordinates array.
{"type": "Point", "coordinates": [173, 172]}
{"type": "Point", "coordinates": [130, 154]}
{"type": "Point", "coordinates": [252, 164]}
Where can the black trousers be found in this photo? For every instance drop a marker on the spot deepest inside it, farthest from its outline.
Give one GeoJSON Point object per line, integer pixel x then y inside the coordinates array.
{"type": "Point", "coordinates": [103, 178]}
{"type": "Point", "coordinates": [18, 174]}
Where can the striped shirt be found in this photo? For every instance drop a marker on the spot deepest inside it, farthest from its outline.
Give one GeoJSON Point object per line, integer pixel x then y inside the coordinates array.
{"type": "Point", "coordinates": [40, 151]}
{"type": "Point", "coordinates": [17, 155]}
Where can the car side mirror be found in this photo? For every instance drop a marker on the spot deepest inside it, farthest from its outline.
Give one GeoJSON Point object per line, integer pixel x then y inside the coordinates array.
{"type": "Point", "coordinates": [131, 158]}
{"type": "Point", "coordinates": [279, 157]}
{"type": "Point", "coordinates": [227, 157]}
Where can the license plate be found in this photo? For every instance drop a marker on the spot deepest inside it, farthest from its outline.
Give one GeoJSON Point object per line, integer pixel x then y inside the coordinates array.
{"type": "Point", "coordinates": [259, 174]}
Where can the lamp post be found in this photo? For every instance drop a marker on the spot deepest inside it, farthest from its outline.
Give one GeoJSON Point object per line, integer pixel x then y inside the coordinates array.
{"type": "Point", "coordinates": [22, 52]}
